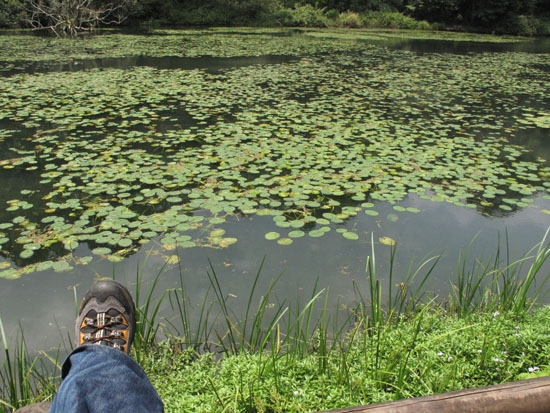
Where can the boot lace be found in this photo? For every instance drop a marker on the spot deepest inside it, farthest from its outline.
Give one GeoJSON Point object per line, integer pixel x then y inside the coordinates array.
{"type": "Point", "coordinates": [105, 329]}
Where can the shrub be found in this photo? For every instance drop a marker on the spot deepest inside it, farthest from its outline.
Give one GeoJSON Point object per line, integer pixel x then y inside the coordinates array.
{"type": "Point", "coordinates": [350, 19]}
{"type": "Point", "coordinates": [281, 17]}
{"type": "Point", "coordinates": [308, 16]}
{"type": "Point", "coordinates": [521, 25]}
{"type": "Point", "coordinates": [543, 26]}
{"type": "Point", "coordinates": [11, 13]}
{"type": "Point", "coordinates": [333, 14]}
{"type": "Point", "coordinates": [393, 20]}
{"type": "Point", "coordinates": [438, 10]}
{"type": "Point", "coordinates": [207, 13]}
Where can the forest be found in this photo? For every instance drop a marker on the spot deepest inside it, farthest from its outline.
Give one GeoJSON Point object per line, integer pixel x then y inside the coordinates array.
{"type": "Point", "coordinates": [521, 17]}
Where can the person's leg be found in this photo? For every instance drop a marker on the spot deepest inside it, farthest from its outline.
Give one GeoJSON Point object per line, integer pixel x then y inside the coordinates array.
{"type": "Point", "coordinates": [101, 379]}
{"type": "Point", "coordinates": [99, 376]}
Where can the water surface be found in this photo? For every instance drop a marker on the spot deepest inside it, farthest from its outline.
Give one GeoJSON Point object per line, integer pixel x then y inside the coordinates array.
{"type": "Point", "coordinates": [248, 135]}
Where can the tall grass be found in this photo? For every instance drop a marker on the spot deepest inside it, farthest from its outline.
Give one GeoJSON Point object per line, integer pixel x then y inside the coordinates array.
{"type": "Point", "coordinates": [147, 325]}
{"type": "Point", "coordinates": [24, 379]}
{"type": "Point", "coordinates": [500, 284]}
{"type": "Point", "coordinates": [408, 297]}
{"type": "Point", "coordinates": [283, 331]}
{"type": "Point", "coordinates": [255, 331]}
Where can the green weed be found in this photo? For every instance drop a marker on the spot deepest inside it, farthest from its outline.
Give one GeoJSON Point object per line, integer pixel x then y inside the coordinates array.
{"type": "Point", "coordinates": [25, 379]}
{"type": "Point", "coordinates": [284, 356]}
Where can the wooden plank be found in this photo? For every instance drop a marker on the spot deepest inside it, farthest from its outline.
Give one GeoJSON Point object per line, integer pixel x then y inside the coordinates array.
{"type": "Point", "coordinates": [525, 396]}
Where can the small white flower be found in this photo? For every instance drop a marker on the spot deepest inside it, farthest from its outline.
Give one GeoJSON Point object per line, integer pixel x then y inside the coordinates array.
{"type": "Point", "coordinates": [517, 334]}
{"type": "Point", "coordinates": [295, 393]}
{"type": "Point", "coordinates": [440, 354]}
{"type": "Point", "coordinates": [496, 314]}
{"type": "Point", "coordinates": [479, 351]}
{"type": "Point", "coordinates": [449, 358]}
{"type": "Point", "coordinates": [533, 369]}
{"type": "Point", "coordinates": [516, 327]}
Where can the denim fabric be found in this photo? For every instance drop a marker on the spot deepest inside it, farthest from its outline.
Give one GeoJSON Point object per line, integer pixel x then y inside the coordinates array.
{"type": "Point", "coordinates": [102, 379]}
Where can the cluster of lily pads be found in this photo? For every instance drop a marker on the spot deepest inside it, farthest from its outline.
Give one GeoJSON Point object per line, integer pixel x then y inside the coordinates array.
{"type": "Point", "coordinates": [114, 158]}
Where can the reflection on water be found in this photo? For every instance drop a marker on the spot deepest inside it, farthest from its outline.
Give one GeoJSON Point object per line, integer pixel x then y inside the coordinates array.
{"type": "Point", "coordinates": [44, 301]}
{"type": "Point", "coordinates": [210, 64]}
{"type": "Point", "coordinates": [422, 46]}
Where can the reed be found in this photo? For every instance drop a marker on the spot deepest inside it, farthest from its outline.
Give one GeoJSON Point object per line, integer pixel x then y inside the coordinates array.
{"type": "Point", "coordinates": [501, 284]}
{"type": "Point", "coordinates": [147, 326]}
{"type": "Point", "coordinates": [24, 379]}
{"type": "Point", "coordinates": [282, 333]}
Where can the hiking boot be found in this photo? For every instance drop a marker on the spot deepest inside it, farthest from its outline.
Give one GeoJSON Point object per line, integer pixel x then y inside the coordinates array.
{"type": "Point", "coordinates": [107, 316]}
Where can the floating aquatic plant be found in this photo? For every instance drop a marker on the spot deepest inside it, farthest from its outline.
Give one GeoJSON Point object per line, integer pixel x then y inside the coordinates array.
{"type": "Point", "coordinates": [114, 158]}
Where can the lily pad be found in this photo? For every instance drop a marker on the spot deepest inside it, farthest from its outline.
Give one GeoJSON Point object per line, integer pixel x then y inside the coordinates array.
{"type": "Point", "coordinates": [125, 242]}
{"type": "Point", "coordinates": [26, 254]}
{"type": "Point", "coordinates": [316, 233]}
{"type": "Point", "coordinates": [9, 274]}
{"type": "Point", "coordinates": [60, 266]}
{"type": "Point", "coordinates": [128, 167]}
{"type": "Point", "coordinates": [284, 241]}
{"type": "Point", "coordinates": [226, 242]}
{"type": "Point", "coordinates": [296, 234]}
{"type": "Point", "coordinates": [101, 251]}
{"type": "Point", "coordinates": [217, 233]}
{"type": "Point", "coordinates": [272, 235]}
{"type": "Point", "coordinates": [44, 265]}
{"type": "Point", "coordinates": [350, 235]}
{"type": "Point", "coordinates": [386, 241]}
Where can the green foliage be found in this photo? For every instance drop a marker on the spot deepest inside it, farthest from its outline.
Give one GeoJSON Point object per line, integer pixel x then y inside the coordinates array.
{"type": "Point", "coordinates": [426, 354]}
{"type": "Point", "coordinates": [147, 325]}
{"type": "Point", "coordinates": [123, 203]}
{"type": "Point", "coordinates": [208, 13]}
{"type": "Point", "coordinates": [393, 20]}
{"type": "Point", "coordinates": [11, 13]}
{"type": "Point", "coordinates": [408, 347]}
{"type": "Point", "coordinates": [356, 5]}
{"type": "Point", "coordinates": [279, 356]}
{"type": "Point", "coordinates": [543, 26]}
{"type": "Point", "coordinates": [501, 16]}
{"type": "Point", "coordinates": [435, 10]}
{"type": "Point", "coordinates": [493, 12]}
{"type": "Point", "coordinates": [310, 16]}
{"type": "Point", "coordinates": [281, 17]}
{"type": "Point", "coordinates": [25, 379]}
{"type": "Point", "coordinates": [492, 286]}
{"type": "Point", "coordinates": [506, 16]}
{"type": "Point", "coordinates": [350, 19]}
{"type": "Point", "coordinates": [523, 25]}
{"type": "Point", "coordinates": [304, 15]}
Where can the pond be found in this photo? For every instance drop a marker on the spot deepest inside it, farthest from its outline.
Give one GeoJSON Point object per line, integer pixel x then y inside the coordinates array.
{"type": "Point", "coordinates": [123, 153]}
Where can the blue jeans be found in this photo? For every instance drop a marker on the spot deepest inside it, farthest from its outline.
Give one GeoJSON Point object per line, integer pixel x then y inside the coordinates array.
{"type": "Point", "coordinates": [102, 379]}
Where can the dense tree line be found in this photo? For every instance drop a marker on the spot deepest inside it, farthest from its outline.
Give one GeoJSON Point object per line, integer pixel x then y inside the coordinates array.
{"type": "Point", "coordinates": [481, 13]}
{"type": "Point", "coordinates": [501, 16]}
